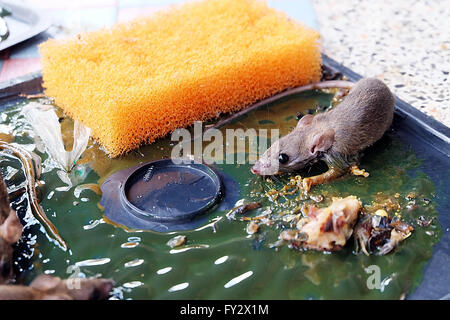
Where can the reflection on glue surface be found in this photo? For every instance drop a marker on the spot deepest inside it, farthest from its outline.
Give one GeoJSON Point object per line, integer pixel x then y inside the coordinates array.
{"type": "Point", "coordinates": [133, 263]}
{"type": "Point", "coordinates": [179, 287]}
{"type": "Point", "coordinates": [92, 262]}
{"type": "Point", "coordinates": [93, 223]}
{"type": "Point", "coordinates": [164, 270]}
{"type": "Point", "coordinates": [132, 242]}
{"type": "Point", "coordinates": [212, 224]}
{"type": "Point", "coordinates": [193, 192]}
{"type": "Point", "coordinates": [132, 284]}
{"type": "Point", "coordinates": [221, 260]}
{"type": "Point", "coordinates": [200, 246]}
{"type": "Point", "coordinates": [238, 279]}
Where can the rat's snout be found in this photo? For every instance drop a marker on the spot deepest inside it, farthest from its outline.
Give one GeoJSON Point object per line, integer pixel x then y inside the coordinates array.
{"type": "Point", "coordinates": [256, 168]}
{"type": "Point", "coordinates": [264, 169]}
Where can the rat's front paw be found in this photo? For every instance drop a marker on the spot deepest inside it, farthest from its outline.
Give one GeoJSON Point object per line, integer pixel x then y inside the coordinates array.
{"type": "Point", "coordinates": [307, 183]}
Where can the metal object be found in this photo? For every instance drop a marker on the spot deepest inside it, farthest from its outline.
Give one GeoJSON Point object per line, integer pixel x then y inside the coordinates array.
{"type": "Point", "coordinates": [23, 23]}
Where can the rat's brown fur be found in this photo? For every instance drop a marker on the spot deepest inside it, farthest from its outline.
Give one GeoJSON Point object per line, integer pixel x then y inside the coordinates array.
{"type": "Point", "coordinates": [10, 233]}
{"type": "Point", "coordinates": [46, 287]}
{"type": "Point", "coordinates": [361, 119]}
{"type": "Point", "coordinates": [337, 135]}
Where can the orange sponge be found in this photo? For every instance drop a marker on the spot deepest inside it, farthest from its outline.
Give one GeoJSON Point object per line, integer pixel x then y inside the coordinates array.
{"type": "Point", "coordinates": [141, 80]}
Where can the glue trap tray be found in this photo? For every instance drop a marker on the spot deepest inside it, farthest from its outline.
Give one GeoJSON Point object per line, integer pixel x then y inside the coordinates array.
{"type": "Point", "coordinates": [219, 259]}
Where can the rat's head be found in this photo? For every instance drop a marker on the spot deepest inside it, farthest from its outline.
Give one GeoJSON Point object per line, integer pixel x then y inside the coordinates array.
{"type": "Point", "coordinates": [295, 150]}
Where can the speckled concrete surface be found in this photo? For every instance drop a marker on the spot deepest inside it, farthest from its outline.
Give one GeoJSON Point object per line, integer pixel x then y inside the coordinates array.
{"type": "Point", "coordinates": [406, 43]}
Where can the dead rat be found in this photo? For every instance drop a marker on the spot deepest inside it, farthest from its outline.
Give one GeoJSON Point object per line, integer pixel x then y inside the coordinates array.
{"type": "Point", "coordinates": [46, 287]}
{"type": "Point", "coordinates": [10, 233]}
{"type": "Point", "coordinates": [336, 136]}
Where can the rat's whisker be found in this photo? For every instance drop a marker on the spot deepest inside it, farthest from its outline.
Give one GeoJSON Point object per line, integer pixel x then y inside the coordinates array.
{"type": "Point", "coordinates": [275, 178]}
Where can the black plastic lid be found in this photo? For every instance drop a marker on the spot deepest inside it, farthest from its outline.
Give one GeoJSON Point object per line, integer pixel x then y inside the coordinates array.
{"type": "Point", "coordinates": [164, 191]}
{"type": "Point", "coordinates": [162, 195]}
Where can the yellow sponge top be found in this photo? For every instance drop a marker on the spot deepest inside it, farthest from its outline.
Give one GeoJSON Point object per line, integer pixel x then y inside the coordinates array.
{"type": "Point", "coordinates": [140, 80]}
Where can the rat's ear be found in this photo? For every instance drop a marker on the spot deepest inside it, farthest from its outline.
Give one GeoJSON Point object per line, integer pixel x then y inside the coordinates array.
{"type": "Point", "coordinates": [305, 120]}
{"type": "Point", "coordinates": [322, 141]}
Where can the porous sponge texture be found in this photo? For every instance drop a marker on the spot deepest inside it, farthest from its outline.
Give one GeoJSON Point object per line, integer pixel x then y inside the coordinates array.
{"type": "Point", "coordinates": [138, 81]}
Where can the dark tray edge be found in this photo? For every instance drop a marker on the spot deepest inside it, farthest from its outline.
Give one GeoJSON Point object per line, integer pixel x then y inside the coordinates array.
{"type": "Point", "coordinates": [27, 84]}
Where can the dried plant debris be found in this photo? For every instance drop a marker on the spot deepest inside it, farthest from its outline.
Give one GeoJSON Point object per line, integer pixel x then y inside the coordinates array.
{"type": "Point", "coordinates": [424, 222]}
{"type": "Point", "coordinates": [386, 202]}
{"type": "Point", "coordinates": [177, 241]}
{"type": "Point", "coordinates": [325, 223]}
{"type": "Point", "coordinates": [241, 209]}
{"type": "Point", "coordinates": [321, 221]}
{"type": "Point", "coordinates": [326, 229]}
{"type": "Point", "coordinates": [252, 227]}
{"type": "Point", "coordinates": [376, 234]}
{"type": "Point", "coordinates": [358, 172]}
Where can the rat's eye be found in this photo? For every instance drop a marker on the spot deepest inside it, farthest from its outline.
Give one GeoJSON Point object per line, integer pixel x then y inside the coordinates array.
{"type": "Point", "coordinates": [283, 158]}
